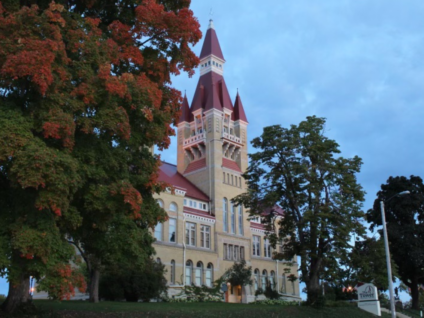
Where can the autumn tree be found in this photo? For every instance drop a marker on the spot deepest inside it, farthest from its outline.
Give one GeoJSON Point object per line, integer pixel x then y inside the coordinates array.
{"type": "Point", "coordinates": [405, 228]}
{"type": "Point", "coordinates": [296, 168]}
{"type": "Point", "coordinates": [85, 92]}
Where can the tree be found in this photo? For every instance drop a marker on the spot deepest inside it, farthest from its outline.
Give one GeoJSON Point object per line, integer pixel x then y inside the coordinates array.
{"type": "Point", "coordinates": [368, 263]}
{"type": "Point", "coordinates": [405, 227]}
{"type": "Point", "coordinates": [296, 168]}
{"type": "Point", "coordinates": [85, 91]}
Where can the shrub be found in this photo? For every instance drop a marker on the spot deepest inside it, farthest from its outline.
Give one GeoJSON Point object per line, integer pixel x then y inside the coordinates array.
{"type": "Point", "coordinates": [276, 302]}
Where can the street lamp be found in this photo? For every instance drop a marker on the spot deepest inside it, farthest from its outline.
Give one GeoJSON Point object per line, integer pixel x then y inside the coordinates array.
{"type": "Point", "coordinates": [386, 247]}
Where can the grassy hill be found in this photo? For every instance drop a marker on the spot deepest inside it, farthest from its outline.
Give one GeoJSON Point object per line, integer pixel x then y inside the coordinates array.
{"type": "Point", "coordinates": [80, 309]}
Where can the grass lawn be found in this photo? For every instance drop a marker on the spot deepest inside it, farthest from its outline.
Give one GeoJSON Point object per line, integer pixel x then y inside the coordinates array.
{"type": "Point", "coordinates": [77, 309]}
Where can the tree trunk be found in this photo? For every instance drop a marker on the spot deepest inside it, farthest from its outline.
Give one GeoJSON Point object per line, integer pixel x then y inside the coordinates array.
{"type": "Point", "coordinates": [18, 294]}
{"type": "Point", "coordinates": [313, 290]}
{"type": "Point", "coordinates": [415, 295]}
{"type": "Point", "coordinates": [93, 287]}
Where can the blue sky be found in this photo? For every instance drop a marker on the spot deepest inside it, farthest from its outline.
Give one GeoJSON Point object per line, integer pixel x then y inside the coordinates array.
{"type": "Point", "coordinates": [357, 63]}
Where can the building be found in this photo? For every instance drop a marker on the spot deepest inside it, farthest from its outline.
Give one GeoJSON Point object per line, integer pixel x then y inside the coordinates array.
{"type": "Point", "coordinates": [205, 232]}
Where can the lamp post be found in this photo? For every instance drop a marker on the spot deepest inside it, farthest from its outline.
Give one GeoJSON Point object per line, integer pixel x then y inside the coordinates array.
{"type": "Point", "coordinates": [386, 247]}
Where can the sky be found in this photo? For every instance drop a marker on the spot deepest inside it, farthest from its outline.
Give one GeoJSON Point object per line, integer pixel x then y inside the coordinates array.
{"type": "Point", "coordinates": [358, 63]}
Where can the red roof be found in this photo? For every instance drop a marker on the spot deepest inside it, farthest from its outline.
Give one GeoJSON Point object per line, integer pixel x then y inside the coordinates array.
{"type": "Point", "coordinates": [195, 165]}
{"type": "Point", "coordinates": [185, 111]}
{"type": "Point", "coordinates": [239, 113]}
{"type": "Point", "coordinates": [198, 212]}
{"type": "Point", "coordinates": [230, 164]}
{"type": "Point", "coordinates": [168, 173]}
{"type": "Point", "coordinates": [211, 44]}
{"type": "Point", "coordinates": [211, 92]}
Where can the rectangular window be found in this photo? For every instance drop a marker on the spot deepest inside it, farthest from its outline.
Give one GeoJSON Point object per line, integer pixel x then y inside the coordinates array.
{"type": "Point", "coordinates": [240, 182]}
{"type": "Point", "coordinates": [172, 230]}
{"type": "Point", "coordinates": [230, 252]}
{"type": "Point", "coordinates": [256, 245]}
{"type": "Point", "coordinates": [191, 203]}
{"type": "Point", "coordinates": [205, 236]}
{"type": "Point", "coordinates": [267, 248]}
{"type": "Point", "coordinates": [236, 253]}
{"type": "Point", "coordinates": [224, 177]}
{"type": "Point", "coordinates": [241, 253]}
{"type": "Point", "coordinates": [185, 201]}
{"type": "Point", "coordinates": [194, 204]}
{"type": "Point", "coordinates": [225, 251]}
{"type": "Point", "coordinates": [158, 231]}
{"type": "Point", "coordinates": [191, 234]}
{"type": "Point", "coordinates": [232, 180]}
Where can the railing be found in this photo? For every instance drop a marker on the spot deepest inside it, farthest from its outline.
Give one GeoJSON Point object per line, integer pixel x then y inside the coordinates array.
{"type": "Point", "coordinates": [231, 137]}
{"type": "Point", "coordinates": [195, 139]}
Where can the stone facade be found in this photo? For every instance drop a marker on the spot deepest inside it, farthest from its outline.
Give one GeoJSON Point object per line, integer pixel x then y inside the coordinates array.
{"type": "Point", "coordinates": [205, 233]}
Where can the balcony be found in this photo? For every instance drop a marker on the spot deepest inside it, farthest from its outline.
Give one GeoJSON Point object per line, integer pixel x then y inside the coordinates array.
{"type": "Point", "coordinates": [231, 138]}
{"type": "Point", "coordinates": [199, 138]}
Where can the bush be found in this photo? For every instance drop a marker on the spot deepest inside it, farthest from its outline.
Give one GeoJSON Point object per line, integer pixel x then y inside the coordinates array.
{"type": "Point", "coordinates": [135, 283]}
{"type": "Point", "coordinates": [191, 294]}
{"type": "Point", "coordinates": [259, 291]}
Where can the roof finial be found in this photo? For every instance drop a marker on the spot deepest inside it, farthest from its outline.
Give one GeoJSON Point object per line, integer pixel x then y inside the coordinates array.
{"type": "Point", "coordinates": [211, 26]}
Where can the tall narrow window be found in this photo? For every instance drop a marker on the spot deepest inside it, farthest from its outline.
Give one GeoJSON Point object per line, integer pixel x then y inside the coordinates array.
{"type": "Point", "coordinates": [172, 230]}
{"type": "Point", "coordinates": [158, 231]}
{"type": "Point", "coordinates": [230, 252]}
{"type": "Point", "coordinates": [199, 274]}
{"type": "Point", "coordinates": [191, 234]}
{"type": "Point", "coordinates": [240, 182]}
{"type": "Point", "coordinates": [267, 248]}
{"type": "Point", "coordinates": [272, 280]}
{"type": "Point", "coordinates": [256, 248]}
{"type": "Point", "coordinates": [236, 253]}
{"type": "Point", "coordinates": [233, 218]}
{"type": "Point", "coordinates": [223, 179]}
{"type": "Point", "coordinates": [205, 236]}
{"type": "Point", "coordinates": [240, 220]}
{"type": "Point", "coordinates": [256, 279]}
{"type": "Point", "coordinates": [225, 251]}
{"type": "Point", "coordinates": [188, 272]}
{"type": "Point", "coordinates": [172, 272]}
{"type": "Point", "coordinates": [209, 275]}
{"type": "Point", "coordinates": [264, 278]}
{"type": "Point", "coordinates": [225, 214]}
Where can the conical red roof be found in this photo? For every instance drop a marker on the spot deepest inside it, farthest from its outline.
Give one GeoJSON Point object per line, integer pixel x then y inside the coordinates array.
{"type": "Point", "coordinates": [211, 44]}
{"type": "Point", "coordinates": [239, 113]}
{"type": "Point", "coordinates": [211, 92]}
{"type": "Point", "coordinates": [185, 111]}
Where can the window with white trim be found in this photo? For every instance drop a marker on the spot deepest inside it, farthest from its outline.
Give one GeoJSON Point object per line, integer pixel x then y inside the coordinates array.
{"type": "Point", "coordinates": [225, 214]}
{"type": "Point", "coordinates": [173, 207]}
{"type": "Point", "coordinates": [172, 272]}
{"type": "Point", "coordinates": [233, 218]}
{"type": "Point", "coordinates": [158, 231]}
{"type": "Point", "coordinates": [190, 234]}
{"type": "Point", "coordinates": [267, 248]}
{"type": "Point", "coordinates": [209, 275]}
{"type": "Point", "coordinates": [240, 220]}
{"type": "Point", "coordinates": [205, 236]}
{"type": "Point", "coordinates": [172, 230]}
{"type": "Point", "coordinates": [188, 272]}
{"type": "Point", "coordinates": [256, 245]}
{"type": "Point", "coordinates": [199, 274]}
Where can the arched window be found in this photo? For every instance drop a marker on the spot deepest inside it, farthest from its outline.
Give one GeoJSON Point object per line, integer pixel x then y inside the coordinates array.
{"type": "Point", "coordinates": [256, 272]}
{"type": "Point", "coordinates": [225, 214]}
{"type": "Point", "coordinates": [272, 280]}
{"type": "Point", "coordinates": [173, 207]}
{"type": "Point", "coordinates": [160, 203]}
{"type": "Point", "coordinates": [209, 275]}
{"type": "Point", "coordinates": [188, 272]}
{"type": "Point", "coordinates": [199, 274]}
{"type": "Point", "coordinates": [233, 218]}
{"type": "Point", "coordinates": [240, 220]}
{"type": "Point", "coordinates": [264, 278]}
{"type": "Point", "coordinates": [172, 272]}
